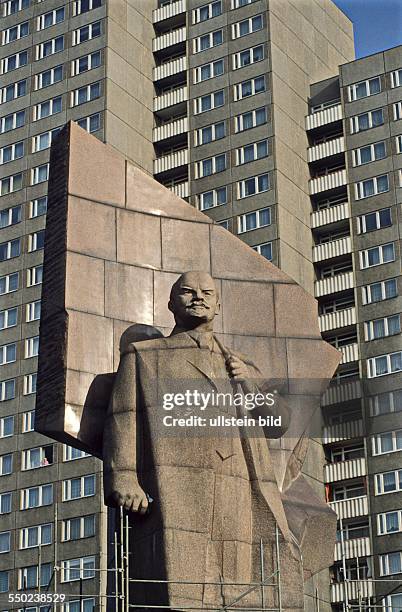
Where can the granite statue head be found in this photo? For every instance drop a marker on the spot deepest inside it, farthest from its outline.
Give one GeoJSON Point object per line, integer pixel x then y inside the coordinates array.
{"type": "Point", "coordinates": [194, 300]}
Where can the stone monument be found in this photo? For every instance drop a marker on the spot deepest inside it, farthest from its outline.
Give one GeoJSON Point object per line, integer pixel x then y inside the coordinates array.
{"type": "Point", "coordinates": [206, 511]}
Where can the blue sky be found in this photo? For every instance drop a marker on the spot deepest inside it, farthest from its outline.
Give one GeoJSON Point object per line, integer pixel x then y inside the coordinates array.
{"type": "Point", "coordinates": [377, 23]}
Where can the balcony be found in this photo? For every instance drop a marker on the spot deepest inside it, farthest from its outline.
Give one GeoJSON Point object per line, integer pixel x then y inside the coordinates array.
{"type": "Point", "coordinates": [333, 284]}
{"type": "Point", "coordinates": [339, 392]}
{"type": "Point", "coordinates": [326, 149]}
{"type": "Point", "coordinates": [350, 508]}
{"type": "Point", "coordinates": [355, 590]}
{"type": "Point", "coordinates": [359, 547]}
{"type": "Point", "coordinates": [343, 431]}
{"type": "Point", "coordinates": [344, 470]}
{"type": "Point", "coordinates": [168, 69]}
{"type": "Point", "coordinates": [169, 39]}
{"type": "Point", "coordinates": [326, 216]}
{"type": "Point", "coordinates": [327, 182]}
{"type": "Point", "coordinates": [350, 352]}
{"type": "Point", "coordinates": [171, 161]}
{"type": "Point", "coordinates": [337, 319]}
{"type": "Point", "coordinates": [181, 189]}
{"type": "Point", "coordinates": [169, 11]}
{"type": "Point", "coordinates": [171, 98]}
{"type": "Point", "coordinates": [170, 130]}
{"type": "Point", "coordinates": [324, 117]}
{"type": "Point", "coordinates": [329, 250]}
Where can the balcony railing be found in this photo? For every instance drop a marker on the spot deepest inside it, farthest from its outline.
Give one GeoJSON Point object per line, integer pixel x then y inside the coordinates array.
{"type": "Point", "coordinates": [171, 129]}
{"type": "Point", "coordinates": [327, 115]}
{"type": "Point", "coordinates": [168, 11]}
{"type": "Point", "coordinates": [359, 547]}
{"type": "Point", "coordinates": [169, 39]}
{"type": "Point", "coordinates": [327, 182]}
{"type": "Point", "coordinates": [350, 352]}
{"type": "Point", "coordinates": [171, 98]}
{"type": "Point", "coordinates": [181, 189]}
{"type": "Point", "coordinates": [343, 431]}
{"type": "Point", "coordinates": [338, 393]}
{"type": "Point", "coordinates": [344, 470]}
{"type": "Point", "coordinates": [333, 284]}
{"type": "Point", "coordinates": [337, 319]}
{"type": "Point", "coordinates": [171, 161]}
{"type": "Point", "coordinates": [326, 149]}
{"type": "Point", "coordinates": [168, 69]}
{"type": "Point", "coordinates": [350, 508]}
{"type": "Point", "coordinates": [329, 250]}
{"type": "Point", "coordinates": [355, 590]}
{"type": "Point", "coordinates": [330, 215]}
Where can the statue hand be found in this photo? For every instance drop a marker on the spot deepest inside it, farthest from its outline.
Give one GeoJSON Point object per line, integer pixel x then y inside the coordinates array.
{"type": "Point", "coordinates": [136, 501]}
{"type": "Point", "coordinates": [237, 369]}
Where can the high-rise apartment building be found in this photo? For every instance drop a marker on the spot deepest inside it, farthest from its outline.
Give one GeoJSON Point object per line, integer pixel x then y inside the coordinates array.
{"type": "Point", "coordinates": [210, 98]}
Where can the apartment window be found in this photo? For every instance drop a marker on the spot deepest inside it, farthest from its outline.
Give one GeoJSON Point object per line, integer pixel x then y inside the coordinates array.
{"type": "Point", "coordinates": [39, 535]}
{"type": "Point", "coordinates": [10, 216]}
{"type": "Point", "coordinates": [11, 184]}
{"type": "Point", "coordinates": [75, 488]}
{"type": "Point", "coordinates": [209, 133]}
{"type": "Point", "coordinates": [207, 41]}
{"type": "Point", "coordinates": [8, 318]}
{"type": "Point", "coordinates": [33, 311]}
{"type": "Point", "coordinates": [398, 142]}
{"type": "Point", "coordinates": [40, 174]}
{"type": "Point", "coordinates": [390, 564]}
{"type": "Point", "coordinates": [366, 121]}
{"type": "Point", "coordinates": [85, 63]}
{"type": "Point", "coordinates": [50, 19]}
{"type": "Point", "coordinates": [238, 3]}
{"type": "Point", "coordinates": [396, 78]}
{"type": "Point", "coordinates": [90, 123]}
{"type": "Point", "coordinates": [377, 255]}
{"type": "Point", "coordinates": [38, 207]}
{"type": "Point", "coordinates": [83, 6]}
{"type": "Point", "coordinates": [224, 223]}
{"type": "Point", "coordinates": [43, 141]}
{"type": "Point", "coordinates": [8, 354]}
{"type": "Point", "coordinates": [252, 152]}
{"type": "Point", "coordinates": [208, 71]}
{"type": "Point", "coordinates": [7, 426]}
{"type": "Point", "coordinates": [5, 503]}
{"type": "Point", "coordinates": [12, 62]}
{"type": "Point", "coordinates": [15, 33]}
{"type": "Point", "coordinates": [78, 528]}
{"type": "Point", "coordinates": [70, 453]}
{"type": "Point", "coordinates": [249, 88]}
{"type": "Point", "coordinates": [11, 152]}
{"type": "Point", "coordinates": [35, 497]}
{"type": "Point", "coordinates": [254, 220]}
{"type": "Point", "coordinates": [208, 11]}
{"type": "Point", "coordinates": [388, 482]}
{"type": "Point", "coordinates": [370, 187]}
{"type": "Point", "coordinates": [377, 292]}
{"type": "Point", "coordinates": [12, 121]}
{"type": "Point", "coordinates": [10, 249]}
{"type": "Point", "coordinates": [251, 119]}
{"type": "Point", "coordinates": [392, 603]}
{"type": "Point", "coordinates": [50, 47]}
{"type": "Point", "coordinates": [30, 383]}
{"type": "Point", "coordinates": [247, 26]}
{"type": "Point", "coordinates": [384, 403]}
{"type": "Point", "coordinates": [370, 153]}
{"type": "Point", "coordinates": [209, 102]}
{"type": "Point", "coordinates": [13, 91]}
{"type": "Point", "coordinates": [31, 347]}
{"type": "Point", "coordinates": [28, 421]}
{"type": "Point", "coordinates": [11, 7]}
{"type": "Point", "coordinates": [211, 165]}
{"type": "Point", "coordinates": [9, 283]}
{"type": "Point", "coordinates": [247, 57]}
{"type": "Point", "coordinates": [384, 364]}
{"type": "Point", "coordinates": [87, 32]}
{"type": "Point", "coordinates": [387, 442]}
{"type": "Point", "coordinates": [215, 197]}
{"type": "Point", "coordinates": [39, 457]}
{"type": "Point", "coordinates": [397, 108]}
{"type": "Point", "coordinates": [6, 464]}
{"type": "Point", "coordinates": [4, 581]}
{"type": "Point", "coordinates": [5, 541]}
{"type": "Point", "coordinates": [252, 186]}
{"type": "Point", "coordinates": [85, 94]}
{"type": "Point", "coordinates": [48, 108]}
{"type": "Point", "coordinates": [49, 77]}
{"type": "Point", "coordinates": [36, 241]}
{"type": "Point", "coordinates": [363, 89]}
{"type": "Point", "coordinates": [83, 605]}
{"type": "Point", "coordinates": [264, 249]}
{"type": "Point", "coordinates": [31, 577]}
{"type": "Point", "coordinates": [34, 276]}
{"type": "Point", "coordinates": [374, 221]}
{"type": "Point", "coordinates": [381, 328]}
{"type": "Point", "coordinates": [7, 390]}
{"type": "Point", "coordinates": [77, 569]}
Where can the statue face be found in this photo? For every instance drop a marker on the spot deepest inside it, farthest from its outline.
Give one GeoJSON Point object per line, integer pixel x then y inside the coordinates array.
{"type": "Point", "coordinates": [195, 299]}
